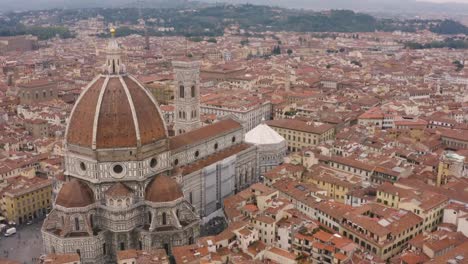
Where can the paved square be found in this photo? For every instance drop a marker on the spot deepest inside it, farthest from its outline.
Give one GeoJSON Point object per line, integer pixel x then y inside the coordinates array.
{"type": "Point", "coordinates": [25, 245]}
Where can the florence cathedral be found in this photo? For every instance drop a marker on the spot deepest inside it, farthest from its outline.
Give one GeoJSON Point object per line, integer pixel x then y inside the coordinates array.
{"type": "Point", "coordinates": [128, 185]}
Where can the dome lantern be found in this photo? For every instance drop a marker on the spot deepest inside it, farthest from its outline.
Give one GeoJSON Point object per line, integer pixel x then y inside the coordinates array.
{"type": "Point", "coordinates": [114, 64]}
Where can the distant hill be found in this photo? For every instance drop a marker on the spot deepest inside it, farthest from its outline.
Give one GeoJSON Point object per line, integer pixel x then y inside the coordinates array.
{"type": "Point", "coordinates": [392, 6]}
{"type": "Point", "coordinates": [23, 5]}
{"type": "Point", "coordinates": [212, 20]}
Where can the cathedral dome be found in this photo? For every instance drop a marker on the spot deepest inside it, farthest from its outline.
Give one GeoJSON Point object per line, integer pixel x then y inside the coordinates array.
{"type": "Point", "coordinates": [75, 194]}
{"type": "Point", "coordinates": [115, 111]}
{"type": "Point", "coordinates": [163, 189]}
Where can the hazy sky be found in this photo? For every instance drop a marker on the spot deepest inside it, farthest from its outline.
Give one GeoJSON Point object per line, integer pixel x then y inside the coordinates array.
{"type": "Point", "coordinates": [446, 1]}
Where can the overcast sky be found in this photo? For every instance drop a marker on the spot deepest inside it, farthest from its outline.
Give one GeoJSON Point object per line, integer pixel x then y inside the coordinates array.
{"type": "Point", "coordinates": [446, 1]}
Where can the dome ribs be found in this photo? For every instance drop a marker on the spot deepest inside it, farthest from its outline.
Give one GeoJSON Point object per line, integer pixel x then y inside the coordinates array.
{"type": "Point", "coordinates": [146, 110]}
{"type": "Point", "coordinates": [80, 128]}
{"type": "Point", "coordinates": [115, 127]}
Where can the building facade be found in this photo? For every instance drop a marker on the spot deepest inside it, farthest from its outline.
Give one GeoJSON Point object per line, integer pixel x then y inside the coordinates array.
{"type": "Point", "coordinates": [300, 134]}
{"type": "Point", "coordinates": [25, 199]}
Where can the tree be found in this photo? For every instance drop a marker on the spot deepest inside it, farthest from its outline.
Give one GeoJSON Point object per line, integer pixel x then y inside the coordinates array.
{"type": "Point", "coordinates": [212, 40]}
{"type": "Point", "coordinates": [290, 52]}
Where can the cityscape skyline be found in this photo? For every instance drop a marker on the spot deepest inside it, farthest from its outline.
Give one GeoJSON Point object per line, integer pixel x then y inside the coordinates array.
{"type": "Point", "coordinates": [197, 133]}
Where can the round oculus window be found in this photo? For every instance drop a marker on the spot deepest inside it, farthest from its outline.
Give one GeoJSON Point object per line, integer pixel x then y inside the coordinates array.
{"type": "Point", "coordinates": [82, 166]}
{"type": "Point", "coordinates": [117, 169]}
{"type": "Point", "coordinates": [153, 162]}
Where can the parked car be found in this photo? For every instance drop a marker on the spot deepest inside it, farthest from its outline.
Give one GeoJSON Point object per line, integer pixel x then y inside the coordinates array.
{"type": "Point", "coordinates": [10, 232]}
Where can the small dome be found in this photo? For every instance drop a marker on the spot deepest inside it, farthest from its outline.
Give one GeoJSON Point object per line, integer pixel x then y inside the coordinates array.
{"type": "Point", "coordinates": [75, 194]}
{"type": "Point", "coordinates": [119, 190]}
{"type": "Point", "coordinates": [115, 111]}
{"type": "Point", "coordinates": [163, 189]}
{"type": "Point", "coordinates": [263, 135]}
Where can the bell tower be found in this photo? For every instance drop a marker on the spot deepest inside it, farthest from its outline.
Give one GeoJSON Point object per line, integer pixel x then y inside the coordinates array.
{"type": "Point", "coordinates": [186, 96]}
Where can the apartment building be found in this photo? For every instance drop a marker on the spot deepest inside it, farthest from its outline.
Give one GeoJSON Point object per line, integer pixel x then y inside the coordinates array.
{"type": "Point", "coordinates": [300, 134]}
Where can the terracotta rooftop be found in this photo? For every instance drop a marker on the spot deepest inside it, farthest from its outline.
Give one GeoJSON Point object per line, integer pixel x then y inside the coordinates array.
{"type": "Point", "coordinates": [202, 163]}
{"type": "Point", "coordinates": [205, 132]}
{"type": "Point", "coordinates": [299, 125]}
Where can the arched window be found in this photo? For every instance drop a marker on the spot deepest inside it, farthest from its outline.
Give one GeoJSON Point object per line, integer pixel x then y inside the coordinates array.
{"type": "Point", "coordinates": [149, 218]}
{"type": "Point", "coordinates": [192, 90]}
{"type": "Point", "coordinates": [91, 220]}
{"type": "Point", "coordinates": [181, 91]}
{"type": "Point", "coordinates": [77, 224]}
{"type": "Point", "coordinates": [164, 220]}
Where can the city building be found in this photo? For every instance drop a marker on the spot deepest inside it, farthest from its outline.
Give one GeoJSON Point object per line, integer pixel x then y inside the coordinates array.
{"type": "Point", "coordinates": [133, 256]}
{"type": "Point", "coordinates": [127, 185]}
{"type": "Point", "coordinates": [250, 110]}
{"type": "Point", "coordinates": [37, 91]}
{"type": "Point", "coordinates": [426, 204]}
{"type": "Point", "coordinates": [300, 134]}
{"type": "Point", "coordinates": [25, 199]}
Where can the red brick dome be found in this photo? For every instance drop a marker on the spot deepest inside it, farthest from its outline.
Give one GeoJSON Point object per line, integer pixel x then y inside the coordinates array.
{"type": "Point", "coordinates": [115, 111]}
{"type": "Point", "coordinates": [163, 189]}
{"type": "Point", "coordinates": [75, 194]}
